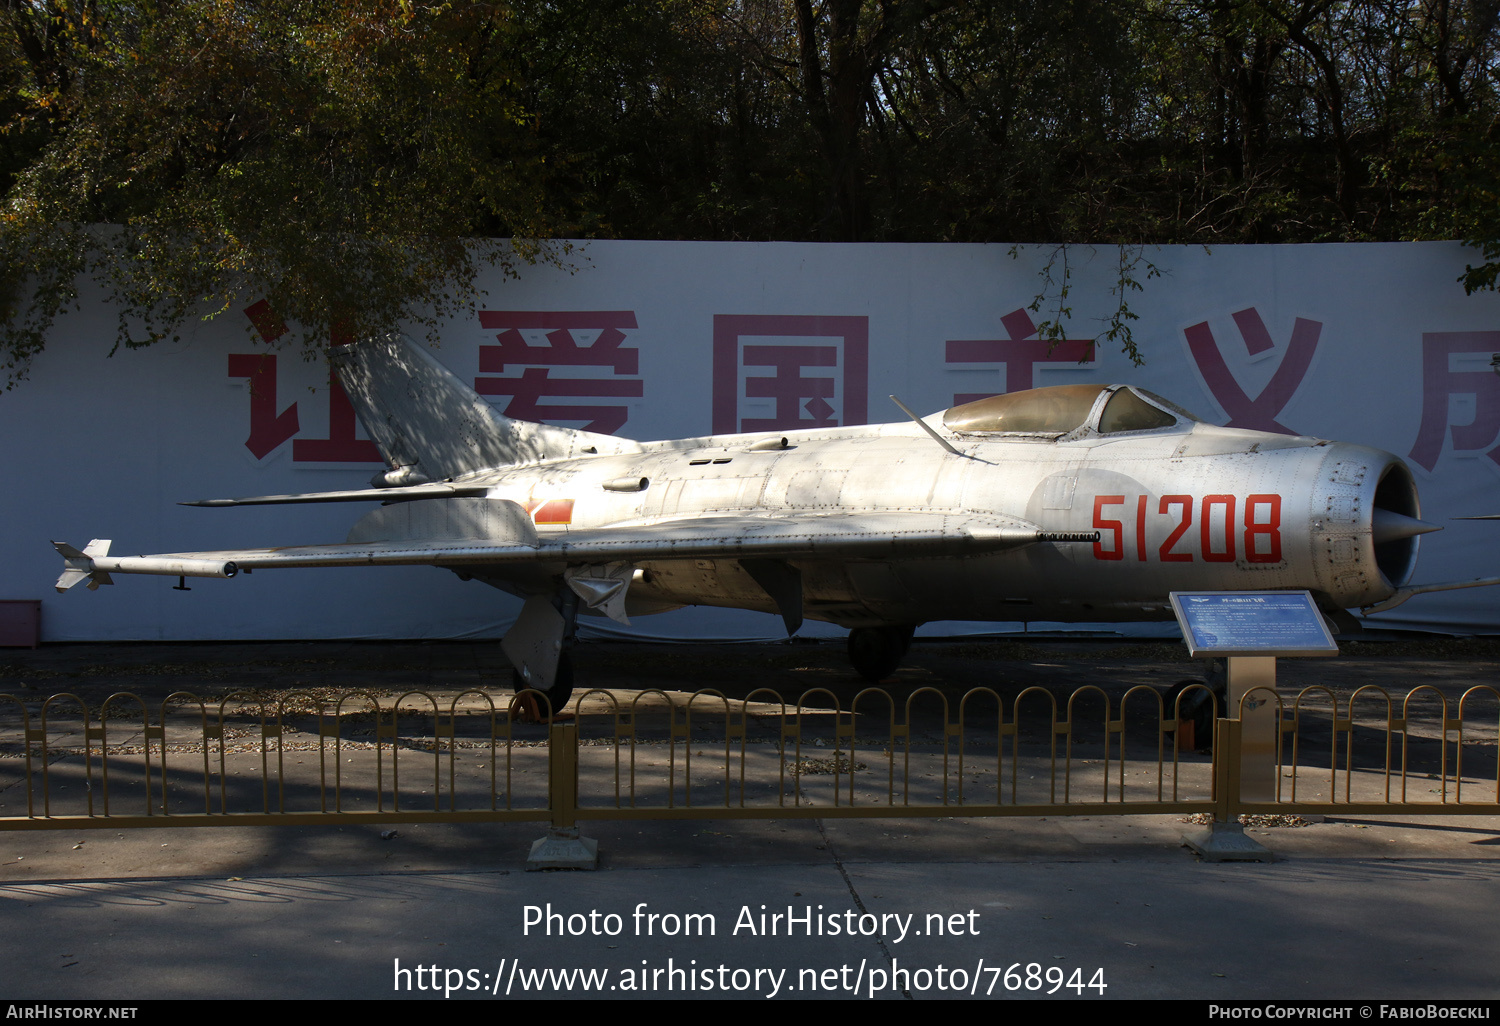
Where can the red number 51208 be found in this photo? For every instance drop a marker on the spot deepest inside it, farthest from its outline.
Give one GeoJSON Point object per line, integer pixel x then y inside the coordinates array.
{"type": "Point", "coordinates": [1222, 533]}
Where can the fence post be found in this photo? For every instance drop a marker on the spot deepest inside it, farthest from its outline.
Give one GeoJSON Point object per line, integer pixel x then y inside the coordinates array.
{"type": "Point", "coordinates": [563, 847]}
{"type": "Point", "coordinates": [1226, 770]}
{"type": "Point", "coordinates": [562, 775]}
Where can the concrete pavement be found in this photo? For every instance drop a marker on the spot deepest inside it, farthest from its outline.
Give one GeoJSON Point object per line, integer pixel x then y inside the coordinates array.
{"type": "Point", "coordinates": [1090, 907]}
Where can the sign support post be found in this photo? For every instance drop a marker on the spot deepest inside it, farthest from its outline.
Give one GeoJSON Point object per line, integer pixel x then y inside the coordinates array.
{"type": "Point", "coordinates": [1250, 629]}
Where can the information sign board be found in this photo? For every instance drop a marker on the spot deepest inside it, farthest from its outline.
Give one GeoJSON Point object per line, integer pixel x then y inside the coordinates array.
{"type": "Point", "coordinates": [1252, 623]}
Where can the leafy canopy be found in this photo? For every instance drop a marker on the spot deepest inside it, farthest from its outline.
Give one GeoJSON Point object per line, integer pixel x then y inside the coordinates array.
{"type": "Point", "coordinates": [333, 156]}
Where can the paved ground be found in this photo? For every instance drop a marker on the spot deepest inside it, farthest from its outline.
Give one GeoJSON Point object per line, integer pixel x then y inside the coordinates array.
{"type": "Point", "coordinates": [1356, 908]}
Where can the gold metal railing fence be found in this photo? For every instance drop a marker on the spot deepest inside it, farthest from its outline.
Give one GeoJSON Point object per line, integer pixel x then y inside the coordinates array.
{"type": "Point", "coordinates": [316, 757]}
{"type": "Point", "coordinates": [299, 758]}
{"type": "Point", "coordinates": [1376, 753]}
{"type": "Point", "coordinates": [762, 756]}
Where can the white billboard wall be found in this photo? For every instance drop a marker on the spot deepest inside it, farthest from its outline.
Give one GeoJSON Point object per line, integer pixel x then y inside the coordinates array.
{"type": "Point", "coordinates": [1374, 344]}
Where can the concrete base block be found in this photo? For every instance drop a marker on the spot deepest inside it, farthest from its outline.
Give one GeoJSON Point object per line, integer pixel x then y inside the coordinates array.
{"type": "Point", "coordinates": [563, 849]}
{"type": "Point", "coordinates": [1226, 842]}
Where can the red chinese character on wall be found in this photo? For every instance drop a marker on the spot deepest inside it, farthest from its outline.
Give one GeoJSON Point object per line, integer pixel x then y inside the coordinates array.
{"type": "Point", "coordinates": [1019, 354]}
{"type": "Point", "coordinates": [774, 373]}
{"type": "Point", "coordinates": [269, 429]}
{"type": "Point", "coordinates": [1260, 413]}
{"type": "Point", "coordinates": [543, 342]}
{"type": "Point", "coordinates": [1441, 384]}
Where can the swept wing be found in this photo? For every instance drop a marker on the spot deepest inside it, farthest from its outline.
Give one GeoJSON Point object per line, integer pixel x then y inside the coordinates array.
{"type": "Point", "coordinates": [398, 536]}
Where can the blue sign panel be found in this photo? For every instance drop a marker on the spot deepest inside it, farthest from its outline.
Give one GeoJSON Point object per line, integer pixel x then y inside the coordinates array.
{"type": "Point", "coordinates": [1263, 623]}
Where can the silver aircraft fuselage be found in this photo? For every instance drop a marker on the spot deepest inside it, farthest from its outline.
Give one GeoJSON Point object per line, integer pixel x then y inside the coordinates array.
{"type": "Point", "coordinates": [1076, 502]}
{"type": "Point", "coordinates": [1190, 507]}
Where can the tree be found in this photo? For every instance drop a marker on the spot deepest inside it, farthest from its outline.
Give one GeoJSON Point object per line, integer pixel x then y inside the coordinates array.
{"type": "Point", "coordinates": [333, 156]}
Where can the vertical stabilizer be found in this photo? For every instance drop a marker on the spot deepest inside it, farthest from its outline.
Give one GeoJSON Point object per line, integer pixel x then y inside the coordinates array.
{"type": "Point", "coordinates": [429, 425]}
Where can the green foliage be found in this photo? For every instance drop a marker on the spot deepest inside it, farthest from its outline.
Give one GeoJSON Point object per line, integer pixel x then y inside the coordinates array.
{"type": "Point", "coordinates": [334, 155]}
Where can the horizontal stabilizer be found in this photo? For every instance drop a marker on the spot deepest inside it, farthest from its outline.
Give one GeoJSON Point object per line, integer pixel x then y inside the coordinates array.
{"type": "Point", "coordinates": [422, 491]}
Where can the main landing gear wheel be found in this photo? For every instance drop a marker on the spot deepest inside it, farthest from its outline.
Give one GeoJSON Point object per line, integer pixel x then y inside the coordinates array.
{"type": "Point", "coordinates": [562, 685]}
{"type": "Point", "coordinates": [1198, 709]}
{"type": "Point", "coordinates": [875, 652]}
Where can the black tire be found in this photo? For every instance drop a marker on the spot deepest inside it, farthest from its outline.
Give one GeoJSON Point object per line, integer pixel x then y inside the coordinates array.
{"type": "Point", "coordinates": [876, 652]}
{"type": "Point", "coordinates": [1198, 708]}
{"type": "Point", "coordinates": [562, 685]}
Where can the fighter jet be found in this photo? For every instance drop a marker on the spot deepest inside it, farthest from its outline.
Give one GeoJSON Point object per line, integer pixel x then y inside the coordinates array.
{"type": "Point", "coordinates": [1070, 503]}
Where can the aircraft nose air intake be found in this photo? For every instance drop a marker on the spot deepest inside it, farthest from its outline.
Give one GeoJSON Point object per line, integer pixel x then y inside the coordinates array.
{"type": "Point", "coordinates": [1366, 524]}
{"type": "Point", "coordinates": [1395, 523]}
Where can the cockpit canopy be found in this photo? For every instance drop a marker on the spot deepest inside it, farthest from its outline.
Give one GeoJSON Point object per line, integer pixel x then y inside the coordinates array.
{"type": "Point", "coordinates": [1063, 409]}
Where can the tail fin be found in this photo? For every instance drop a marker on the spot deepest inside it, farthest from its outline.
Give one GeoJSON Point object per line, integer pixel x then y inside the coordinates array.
{"type": "Point", "coordinates": [430, 426]}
